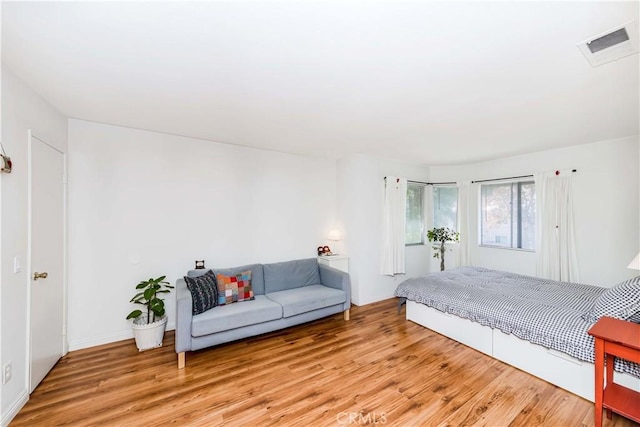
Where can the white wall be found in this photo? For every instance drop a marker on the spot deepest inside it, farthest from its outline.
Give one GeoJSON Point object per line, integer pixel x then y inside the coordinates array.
{"type": "Point", "coordinates": [22, 109]}
{"type": "Point", "coordinates": [360, 206]}
{"type": "Point", "coordinates": [606, 201]}
{"type": "Point", "coordinates": [145, 204]}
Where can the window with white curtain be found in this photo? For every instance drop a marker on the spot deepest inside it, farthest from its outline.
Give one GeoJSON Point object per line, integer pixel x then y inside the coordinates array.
{"type": "Point", "coordinates": [415, 214]}
{"type": "Point", "coordinates": [445, 207]}
{"type": "Point", "coordinates": [508, 215]}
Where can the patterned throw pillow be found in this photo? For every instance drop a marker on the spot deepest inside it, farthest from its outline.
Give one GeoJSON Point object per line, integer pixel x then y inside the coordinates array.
{"type": "Point", "coordinates": [635, 318]}
{"type": "Point", "coordinates": [234, 288]}
{"type": "Point", "coordinates": [204, 291]}
{"type": "Point", "coordinates": [620, 302]}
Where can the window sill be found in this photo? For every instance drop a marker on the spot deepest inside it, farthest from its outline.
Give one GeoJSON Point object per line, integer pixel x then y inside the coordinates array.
{"type": "Point", "coordinates": [507, 248]}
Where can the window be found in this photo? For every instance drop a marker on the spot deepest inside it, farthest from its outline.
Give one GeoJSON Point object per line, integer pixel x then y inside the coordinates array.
{"type": "Point", "coordinates": [445, 207]}
{"type": "Point", "coordinates": [508, 215]}
{"type": "Point", "coordinates": [415, 214]}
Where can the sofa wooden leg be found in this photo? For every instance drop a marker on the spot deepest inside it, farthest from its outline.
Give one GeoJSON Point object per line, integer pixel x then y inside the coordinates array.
{"type": "Point", "coordinates": [181, 360]}
{"type": "Point", "coordinates": [346, 314]}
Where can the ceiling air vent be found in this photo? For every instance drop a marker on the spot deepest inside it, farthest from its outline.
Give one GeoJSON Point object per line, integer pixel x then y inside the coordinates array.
{"type": "Point", "coordinates": [611, 45]}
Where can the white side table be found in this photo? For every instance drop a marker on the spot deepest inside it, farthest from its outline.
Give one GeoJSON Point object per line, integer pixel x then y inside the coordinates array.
{"type": "Point", "coordinates": [339, 262]}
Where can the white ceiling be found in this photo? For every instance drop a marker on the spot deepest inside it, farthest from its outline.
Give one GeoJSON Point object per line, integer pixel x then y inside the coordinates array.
{"type": "Point", "coordinates": [422, 82]}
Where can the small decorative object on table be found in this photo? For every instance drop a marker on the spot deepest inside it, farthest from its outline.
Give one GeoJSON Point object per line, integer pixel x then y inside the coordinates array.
{"type": "Point", "coordinates": [148, 329]}
{"type": "Point", "coordinates": [324, 251]}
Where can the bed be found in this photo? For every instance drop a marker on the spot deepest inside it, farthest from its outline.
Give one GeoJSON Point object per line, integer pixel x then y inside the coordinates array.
{"type": "Point", "coordinates": [537, 325]}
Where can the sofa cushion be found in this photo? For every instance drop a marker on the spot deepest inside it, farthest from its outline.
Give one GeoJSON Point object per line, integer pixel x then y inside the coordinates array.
{"type": "Point", "coordinates": [308, 298]}
{"type": "Point", "coordinates": [231, 316]}
{"type": "Point", "coordinates": [234, 288]}
{"type": "Point", "coordinates": [204, 291]}
{"type": "Point", "coordinates": [281, 276]}
{"type": "Point", "coordinates": [257, 276]}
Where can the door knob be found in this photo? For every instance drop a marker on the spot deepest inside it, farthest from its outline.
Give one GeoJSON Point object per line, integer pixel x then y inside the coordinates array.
{"type": "Point", "coordinates": [37, 275]}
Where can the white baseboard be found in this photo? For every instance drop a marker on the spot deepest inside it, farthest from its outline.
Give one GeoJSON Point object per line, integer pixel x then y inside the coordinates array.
{"type": "Point", "coordinates": [108, 339]}
{"type": "Point", "coordinates": [23, 398]}
{"type": "Point", "coordinates": [374, 299]}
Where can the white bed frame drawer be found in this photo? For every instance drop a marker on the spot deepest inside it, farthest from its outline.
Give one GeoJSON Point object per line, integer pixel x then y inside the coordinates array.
{"type": "Point", "coordinates": [553, 366]}
{"type": "Point", "coordinates": [462, 330]}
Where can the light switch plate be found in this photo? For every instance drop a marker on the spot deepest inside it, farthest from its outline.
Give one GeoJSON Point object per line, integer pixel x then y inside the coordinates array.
{"type": "Point", "coordinates": [16, 265]}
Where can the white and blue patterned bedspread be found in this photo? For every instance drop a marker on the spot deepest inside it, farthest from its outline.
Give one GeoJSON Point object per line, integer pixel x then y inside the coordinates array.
{"type": "Point", "coordinates": [544, 312]}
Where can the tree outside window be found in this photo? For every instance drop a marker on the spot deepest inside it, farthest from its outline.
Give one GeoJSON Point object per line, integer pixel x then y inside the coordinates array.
{"type": "Point", "coordinates": [445, 207]}
{"type": "Point", "coordinates": [415, 214]}
{"type": "Point", "coordinates": [508, 215]}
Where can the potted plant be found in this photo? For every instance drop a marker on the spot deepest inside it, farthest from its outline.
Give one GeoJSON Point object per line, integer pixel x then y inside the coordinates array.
{"type": "Point", "coordinates": [148, 328]}
{"type": "Point", "coordinates": [442, 235]}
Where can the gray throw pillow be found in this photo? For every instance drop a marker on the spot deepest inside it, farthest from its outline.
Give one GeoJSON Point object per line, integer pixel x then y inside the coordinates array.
{"type": "Point", "coordinates": [620, 302]}
{"type": "Point", "coordinates": [635, 318]}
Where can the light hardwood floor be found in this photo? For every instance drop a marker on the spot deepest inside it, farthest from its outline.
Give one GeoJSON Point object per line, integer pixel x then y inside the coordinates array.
{"type": "Point", "coordinates": [376, 369]}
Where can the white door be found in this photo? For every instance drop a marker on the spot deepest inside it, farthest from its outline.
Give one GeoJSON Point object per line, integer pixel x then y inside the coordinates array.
{"type": "Point", "coordinates": [46, 209]}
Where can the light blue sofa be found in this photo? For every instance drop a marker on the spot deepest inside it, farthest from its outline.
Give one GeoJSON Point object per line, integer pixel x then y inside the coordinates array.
{"type": "Point", "coordinates": [286, 294]}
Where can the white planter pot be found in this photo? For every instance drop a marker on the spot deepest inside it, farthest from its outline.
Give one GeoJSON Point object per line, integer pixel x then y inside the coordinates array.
{"type": "Point", "coordinates": [148, 336]}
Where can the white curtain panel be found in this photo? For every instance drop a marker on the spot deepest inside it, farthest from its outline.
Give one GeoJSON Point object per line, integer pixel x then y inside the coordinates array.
{"type": "Point", "coordinates": [428, 208]}
{"type": "Point", "coordinates": [428, 217]}
{"type": "Point", "coordinates": [555, 238]}
{"type": "Point", "coordinates": [464, 228]}
{"type": "Point", "coordinates": [394, 226]}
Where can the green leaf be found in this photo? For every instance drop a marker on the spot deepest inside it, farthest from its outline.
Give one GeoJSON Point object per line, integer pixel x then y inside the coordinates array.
{"type": "Point", "coordinates": [138, 295]}
{"type": "Point", "coordinates": [134, 314]}
{"type": "Point", "coordinates": [156, 304]}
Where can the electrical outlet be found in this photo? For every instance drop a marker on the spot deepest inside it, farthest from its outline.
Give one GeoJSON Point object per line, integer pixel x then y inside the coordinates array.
{"type": "Point", "coordinates": [6, 373]}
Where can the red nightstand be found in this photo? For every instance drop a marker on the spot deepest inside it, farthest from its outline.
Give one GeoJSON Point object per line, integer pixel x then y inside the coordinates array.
{"type": "Point", "coordinates": [615, 338]}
